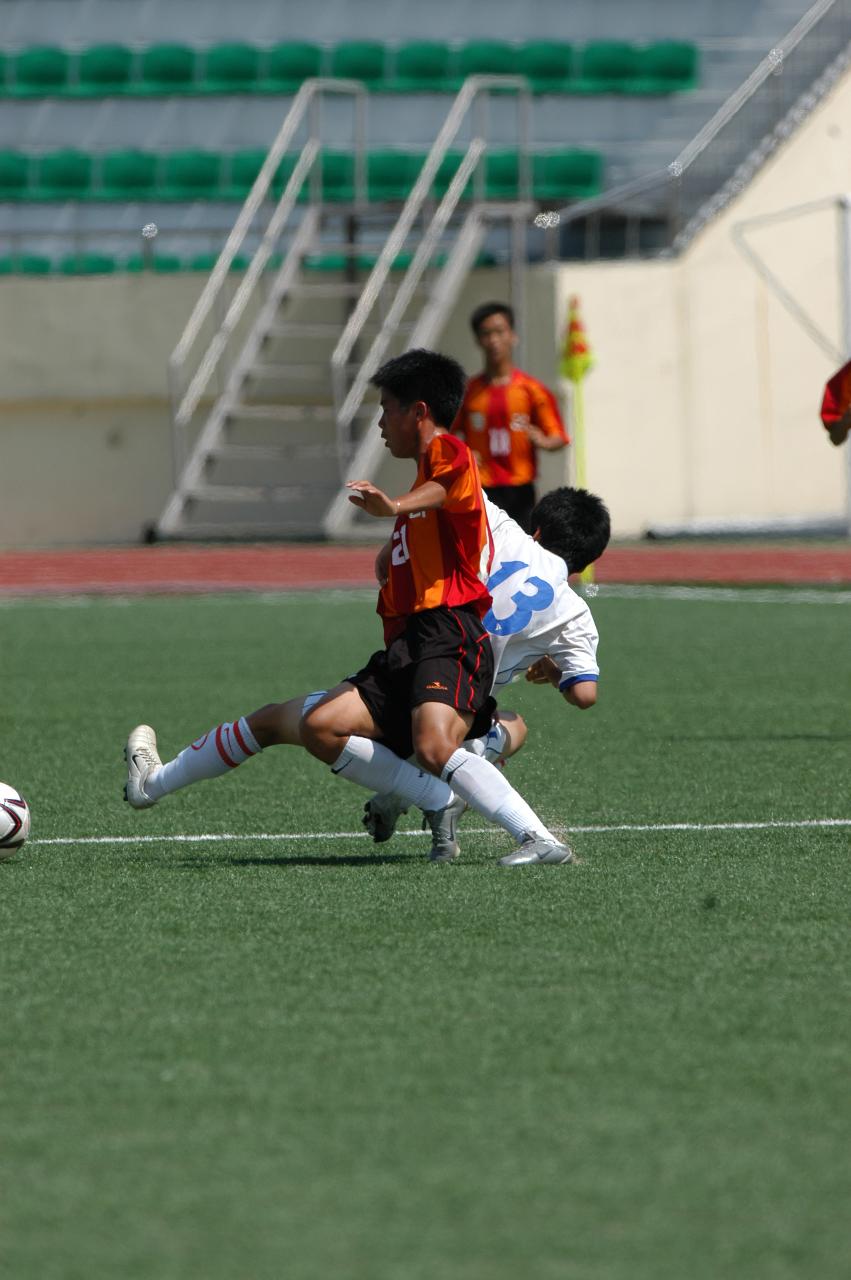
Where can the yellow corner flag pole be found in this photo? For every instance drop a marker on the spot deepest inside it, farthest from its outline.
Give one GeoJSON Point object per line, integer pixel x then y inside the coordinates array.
{"type": "Point", "coordinates": [576, 361]}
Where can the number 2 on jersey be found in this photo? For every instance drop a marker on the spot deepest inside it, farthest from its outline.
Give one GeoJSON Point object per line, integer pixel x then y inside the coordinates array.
{"type": "Point", "coordinates": [525, 604]}
{"type": "Point", "coordinates": [400, 546]}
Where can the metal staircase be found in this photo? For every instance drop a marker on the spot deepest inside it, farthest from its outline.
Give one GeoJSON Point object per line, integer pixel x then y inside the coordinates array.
{"type": "Point", "coordinates": [271, 404]}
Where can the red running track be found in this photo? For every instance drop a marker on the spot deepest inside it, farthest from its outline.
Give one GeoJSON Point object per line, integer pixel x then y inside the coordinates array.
{"type": "Point", "coordinates": [199, 568]}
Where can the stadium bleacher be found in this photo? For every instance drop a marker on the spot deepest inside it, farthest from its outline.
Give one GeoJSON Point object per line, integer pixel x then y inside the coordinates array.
{"type": "Point", "coordinates": [604, 66]}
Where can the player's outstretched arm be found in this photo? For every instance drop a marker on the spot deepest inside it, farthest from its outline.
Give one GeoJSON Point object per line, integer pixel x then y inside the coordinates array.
{"type": "Point", "coordinates": [376, 503]}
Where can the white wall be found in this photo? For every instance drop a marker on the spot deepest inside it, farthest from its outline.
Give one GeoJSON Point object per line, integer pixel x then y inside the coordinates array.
{"type": "Point", "coordinates": [704, 401]}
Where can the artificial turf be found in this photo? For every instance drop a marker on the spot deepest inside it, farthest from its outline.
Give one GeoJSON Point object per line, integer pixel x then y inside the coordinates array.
{"type": "Point", "coordinates": [314, 1057]}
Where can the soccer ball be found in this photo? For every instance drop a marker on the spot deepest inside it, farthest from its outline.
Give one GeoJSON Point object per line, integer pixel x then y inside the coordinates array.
{"type": "Point", "coordinates": [14, 820]}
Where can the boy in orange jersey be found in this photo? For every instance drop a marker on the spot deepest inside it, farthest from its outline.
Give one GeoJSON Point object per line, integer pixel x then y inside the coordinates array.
{"type": "Point", "coordinates": [836, 405]}
{"type": "Point", "coordinates": [506, 416]}
{"type": "Point", "coordinates": [429, 688]}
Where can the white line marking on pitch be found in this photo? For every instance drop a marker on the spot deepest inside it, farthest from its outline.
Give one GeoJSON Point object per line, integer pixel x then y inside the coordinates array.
{"type": "Point", "coordinates": [215, 837]}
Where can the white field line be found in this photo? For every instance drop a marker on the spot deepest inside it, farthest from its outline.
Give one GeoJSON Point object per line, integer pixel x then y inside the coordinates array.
{"type": "Point", "coordinates": [337, 595]}
{"type": "Point", "coordinates": [257, 836]}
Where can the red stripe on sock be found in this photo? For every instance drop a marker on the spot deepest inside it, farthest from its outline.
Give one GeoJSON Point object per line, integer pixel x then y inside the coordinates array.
{"type": "Point", "coordinates": [231, 764]}
{"type": "Point", "coordinates": [241, 740]}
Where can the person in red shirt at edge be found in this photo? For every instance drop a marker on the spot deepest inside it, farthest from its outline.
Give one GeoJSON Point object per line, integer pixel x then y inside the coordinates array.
{"type": "Point", "coordinates": [506, 416]}
{"type": "Point", "coordinates": [836, 405]}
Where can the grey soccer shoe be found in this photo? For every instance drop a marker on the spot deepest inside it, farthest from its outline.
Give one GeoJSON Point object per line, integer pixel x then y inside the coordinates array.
{"type": "Point", "coordinates": [380, 815]}
{"type": "Point", "coordinates": [444, 829]}
{"type": "Point", "coordinates": [535, 850]}
{"type": "Point", "coordinates": [141, 756]}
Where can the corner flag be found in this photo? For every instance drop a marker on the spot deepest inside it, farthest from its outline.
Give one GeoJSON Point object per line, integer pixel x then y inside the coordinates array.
{"type": "Point", "coordinates": [576, 362]}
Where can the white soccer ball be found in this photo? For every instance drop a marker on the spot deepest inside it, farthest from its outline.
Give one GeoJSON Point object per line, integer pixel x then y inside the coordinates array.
{"type": "Point", "coordinates": [14, 820]}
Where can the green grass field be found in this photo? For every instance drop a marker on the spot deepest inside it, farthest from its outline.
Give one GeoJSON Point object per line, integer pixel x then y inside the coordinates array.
{"type": "Point", "coordinates": [310, 1057]}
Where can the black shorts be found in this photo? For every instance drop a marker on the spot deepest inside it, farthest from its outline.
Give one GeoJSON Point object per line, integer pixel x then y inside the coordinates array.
{"type": "Point", "coordinates": [518, 500]}
{"type": "Point", "coordinates": [444, 655]}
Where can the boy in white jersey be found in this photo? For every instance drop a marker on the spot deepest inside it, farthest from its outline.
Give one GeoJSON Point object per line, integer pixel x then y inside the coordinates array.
{"type": "Point", "coordinates": [539, 627]}
{"type": "Point", "coordinates": [536, 620]}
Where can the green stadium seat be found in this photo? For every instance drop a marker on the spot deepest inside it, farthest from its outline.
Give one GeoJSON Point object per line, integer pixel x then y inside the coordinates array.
{"type": "Point", "coordinates": [14, 175]}
{"type": "Point", "coordinates": [87, 264]}
{"type": "Point", "coordinates": [39, 71]}
{"type": "Point", "coordinates": [567, 175]}
{"type": "Point", "coordinates": [231, 68]}
{"type": "Point", "coordinates": [502, 175]}
{"type": "Point", "coordinates": [7, 266]}
{"type": "Point", "coordinates": [190, 175]}
{"type": "Point", "coordinates": [63, 175]}
{"type": "Point", "coordinates": [33, 264]}
{"type": "Point", "coordinates": [360, 60]}
{"type": "Point", "coordinates": [547, 64]}
{"type": "Point", "coordinates": [325, 262]}
{"type": "Point", "coordinates": [486, 58]}
{"type": "Point", "coordinates": [166, 69]}
{"type": "Point", "coordinates": [289, 64]}
{"type": "Point", "coordinates": [160, 263]}
{"type": "Point", "coordinates": [666, 67]}
{"type": "Point", "coordinates": [608, 66]}
{"type": "Point", "coordinates": [127, 175]}
{"type": "Point", "coordinates": [423, 66]}
{"type": "Point", "coordinates": [447, 170]}
{"type": "Point", "coordinates": [392, 174]}
{"type": "Point", "coordinates": [338, 176]}
{"type": "Point", "coordinates": [4, 64]}
{"type": "Point", "coordinates": [242, 169]}
{"type": "Point", "coordinates": [104, 69]}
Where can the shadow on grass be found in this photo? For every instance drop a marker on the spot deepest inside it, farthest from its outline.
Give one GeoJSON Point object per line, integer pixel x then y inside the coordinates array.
{"type": "Point", "coordinates": [305, 860]}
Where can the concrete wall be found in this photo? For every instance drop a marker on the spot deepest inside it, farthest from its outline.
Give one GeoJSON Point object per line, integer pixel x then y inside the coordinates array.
{"type": "Point", "coordinates": [703, 403]}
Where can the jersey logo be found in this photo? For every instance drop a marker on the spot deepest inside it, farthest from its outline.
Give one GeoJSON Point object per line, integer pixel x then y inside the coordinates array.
{"type": "Point", "coordinates": [525, 604]}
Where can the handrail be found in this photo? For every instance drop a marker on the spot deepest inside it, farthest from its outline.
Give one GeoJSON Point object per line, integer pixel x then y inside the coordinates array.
{"type": "Point", "coordinates": [306, 98]}
{"type": "Point", "coordinates": [471, 91]}
{"type": "Point", "coordinates": [422, 257]}
{"type": "Point", "coordinates": [671, 176]}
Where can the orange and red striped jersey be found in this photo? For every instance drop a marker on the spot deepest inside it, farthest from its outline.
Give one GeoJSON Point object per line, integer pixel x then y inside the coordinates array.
{"type": "Point", "coordinates": [441, 556]}
{"type": "Point", "coordinates": [837, 396]}
{"type": "Point", "coordinates": [493, 421]}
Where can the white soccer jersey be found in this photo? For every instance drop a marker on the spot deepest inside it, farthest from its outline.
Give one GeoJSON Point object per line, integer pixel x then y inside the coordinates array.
{"type": "Point", "coordinates": [534, 612]}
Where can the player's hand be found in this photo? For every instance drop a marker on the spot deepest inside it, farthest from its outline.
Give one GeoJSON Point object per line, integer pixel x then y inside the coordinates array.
{"type": "Point", "coordinates": [371, 499]}
{"type": "Point", "coordinates": [537, 436]}
{"type": "Point", "coordinates": [382, 564]}
{"type": "Point", "coordinates": [544, 671]}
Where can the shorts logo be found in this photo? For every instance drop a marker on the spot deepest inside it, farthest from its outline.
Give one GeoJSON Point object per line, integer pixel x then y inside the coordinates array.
{"type": "Point", "coordinates": [435, 684]}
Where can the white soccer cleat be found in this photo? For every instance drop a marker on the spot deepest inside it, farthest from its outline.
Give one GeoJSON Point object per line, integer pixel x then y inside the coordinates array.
{"type": "Point", "coordinates": [537, 850]}
{"type": "Point", "coordinates": [142, 758]}
{"type": "Point", "coordinates": [380, 815]}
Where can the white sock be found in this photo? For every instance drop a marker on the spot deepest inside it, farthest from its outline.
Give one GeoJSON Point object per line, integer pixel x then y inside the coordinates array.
{"type": "Point", "coordinates": [219, 751]}
{"type": "Point", "coordinates": [485, 789]}
{"type": "Point", "coordinates": [372, 765]}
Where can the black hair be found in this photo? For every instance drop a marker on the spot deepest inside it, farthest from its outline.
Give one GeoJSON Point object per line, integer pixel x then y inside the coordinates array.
{"type": "Point", "coordinates": [574, 524]}
{"type": "Point", "coordinates": [425, 375]}
{"type": "Point", "coordinates": [488, 309]}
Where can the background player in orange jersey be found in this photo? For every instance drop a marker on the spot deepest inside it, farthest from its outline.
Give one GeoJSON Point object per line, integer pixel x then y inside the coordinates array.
{"type": "Point", "coordinates": [836, 405]}
{"type": "Point", "coordinates": [506, 416]}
